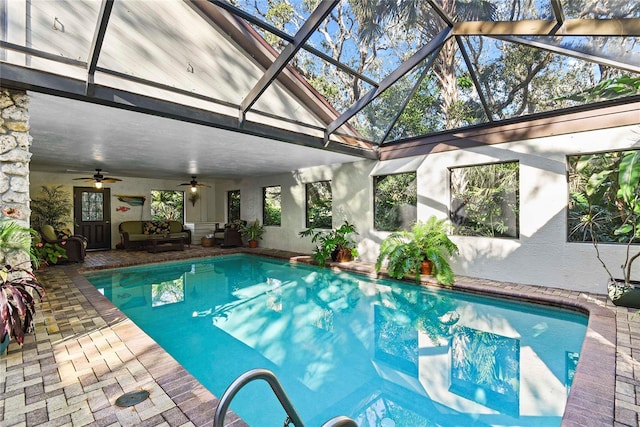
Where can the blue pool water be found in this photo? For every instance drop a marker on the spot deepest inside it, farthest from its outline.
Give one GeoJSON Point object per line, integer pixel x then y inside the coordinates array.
{"type": "Point", "coordinates": [379, 351]}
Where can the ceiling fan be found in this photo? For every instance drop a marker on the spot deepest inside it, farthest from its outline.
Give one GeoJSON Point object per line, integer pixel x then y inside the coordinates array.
{"type": "Point", "coordinates": [98, 178]}
{"type": "Point", "coordinates": [194, 184]}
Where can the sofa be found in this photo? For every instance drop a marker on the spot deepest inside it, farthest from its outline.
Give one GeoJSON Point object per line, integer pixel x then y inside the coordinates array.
{"type": "Point", "coordinates": [136, 234]}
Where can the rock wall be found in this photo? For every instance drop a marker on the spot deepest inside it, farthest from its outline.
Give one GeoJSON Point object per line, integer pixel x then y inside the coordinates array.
{"type": "Point", "coordinates": [15, 142]}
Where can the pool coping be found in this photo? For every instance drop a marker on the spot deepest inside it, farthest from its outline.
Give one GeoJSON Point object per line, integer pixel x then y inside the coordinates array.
{"type": "Point", "coordinates": [595, 375]}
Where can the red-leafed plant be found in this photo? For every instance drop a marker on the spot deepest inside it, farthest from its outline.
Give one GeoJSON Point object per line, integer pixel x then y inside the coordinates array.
{"type": "Point", "coordinates": [17, 304]}
{"type": "Point", "coordinates": [18, 286]}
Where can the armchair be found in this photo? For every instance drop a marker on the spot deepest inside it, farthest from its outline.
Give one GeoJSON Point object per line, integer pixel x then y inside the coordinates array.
{"type": "Point", "coordinates": [229, 236]}
{"type": "Point", "coordinates": [75, 246]}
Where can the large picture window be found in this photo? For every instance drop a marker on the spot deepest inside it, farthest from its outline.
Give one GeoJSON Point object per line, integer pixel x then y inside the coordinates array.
{"type": "Point", "coordinates": [485, 200]}
{"type": "Point", "coordinates": [395, 201]}
{"type": "Point", "coordinates": [272, 212]}
{"type": "Point", "coordinates": [319, 204]}
{"type": "Point", "coordinates": [167, 205]}
{"type": "Point", "coordinates": [233, 205]}
{"type": "Point", "coordinates": [594, 192]}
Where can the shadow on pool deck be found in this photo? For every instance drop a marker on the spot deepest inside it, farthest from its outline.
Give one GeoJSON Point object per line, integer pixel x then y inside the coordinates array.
{"type": "Point", "coordinates": [85, 353]}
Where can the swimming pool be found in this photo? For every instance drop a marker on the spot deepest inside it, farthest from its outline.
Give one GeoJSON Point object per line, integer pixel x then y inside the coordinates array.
{"type": "Point", "coordinates": [381, 352]}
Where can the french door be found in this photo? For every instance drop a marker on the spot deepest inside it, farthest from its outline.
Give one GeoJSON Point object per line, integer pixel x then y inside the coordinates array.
{"type": "Point", "coordinates": [92, 214]}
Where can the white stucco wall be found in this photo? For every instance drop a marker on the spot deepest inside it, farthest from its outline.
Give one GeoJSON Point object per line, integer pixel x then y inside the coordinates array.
{"type": "Point", "coordinates": [540, 256]}
{"type": "Point", "coordinates": [129, 186]}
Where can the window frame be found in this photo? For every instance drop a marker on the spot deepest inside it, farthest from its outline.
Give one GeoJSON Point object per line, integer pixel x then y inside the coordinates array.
{"type": "Point", "coordinates": [183, 214]}
{"type": "Point", "coordinates": [376, 179]}
{"type": "Point", "coordinates": [517, 194]}
{"type": "Point", "coordinates": [230, 218]}
{"type": "Point", "coordinates": [306, 204]}
{"type": "Point", "coordinates": [264, 206]}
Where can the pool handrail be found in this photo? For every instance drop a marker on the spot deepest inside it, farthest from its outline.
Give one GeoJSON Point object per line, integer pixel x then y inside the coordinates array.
{"type": "Point", "coordinates": [274, 383]}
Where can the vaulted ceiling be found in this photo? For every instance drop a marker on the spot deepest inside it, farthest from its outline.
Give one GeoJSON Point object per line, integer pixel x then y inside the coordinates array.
{"type": "Point", "coordinates": [229, 89]}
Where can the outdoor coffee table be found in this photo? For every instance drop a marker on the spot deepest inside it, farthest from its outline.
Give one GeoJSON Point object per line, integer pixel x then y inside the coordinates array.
{"type": "Point", "coordinates": [163, 244]}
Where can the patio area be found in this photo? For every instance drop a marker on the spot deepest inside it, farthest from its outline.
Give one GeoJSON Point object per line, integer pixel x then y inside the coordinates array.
{"type": "Point", "coordinates": [85, 353]}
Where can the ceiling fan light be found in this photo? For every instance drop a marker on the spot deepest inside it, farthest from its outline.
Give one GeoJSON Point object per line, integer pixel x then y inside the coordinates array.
{"type": "Point", "coordinates": [194, 188]}
{"type": "Point", "coordinates": [98, 185]}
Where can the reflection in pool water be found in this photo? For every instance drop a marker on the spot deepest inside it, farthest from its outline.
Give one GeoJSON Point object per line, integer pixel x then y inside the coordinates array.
{"type": "Point", "coordinates": [382, 352]}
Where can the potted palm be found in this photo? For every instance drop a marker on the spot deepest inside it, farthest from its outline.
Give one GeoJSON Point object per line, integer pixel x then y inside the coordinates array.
{"type": "Point", "coordinates": [337, 243]}
{"type": "Point", "coordinates": [425, 249]}
{"type": "Point", "coordinates": [17, 283]}
{"type": "Point", "coordinates": [608, 204]}
{"type": "Point", "coordinates": [254, 231]}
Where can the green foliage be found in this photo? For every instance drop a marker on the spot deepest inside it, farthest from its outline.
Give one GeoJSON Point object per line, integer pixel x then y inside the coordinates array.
{"type": "Point", "coordinates": [613, 88]}
{"type": "Point", "coordinates": [393, 193]}
{"type": "Point", "coordinates": [14, 237]}
{"type": "Point", "coordinates": [50, 253]}
{"type": "Point", "coordinates": [485, 200]}
{"type": "Point", "coordinates": [331, 241]}
{"type": "Point", "coordinates": [52, 207]}
{"type": "Point", "coordinates": [253, 230]}
{"type": "Point", "coordinates": [404, 251]}
{"type": "Point", "coordinates": [233, 205]}
{"type": "Point", "coordinates": [167, 205]}
{"type": "Point", "coordinates": [319, 204]}
{"type": "Point", "coordinates": [605, 202]}
{"type": "Point", "coordinates": [272, 206]}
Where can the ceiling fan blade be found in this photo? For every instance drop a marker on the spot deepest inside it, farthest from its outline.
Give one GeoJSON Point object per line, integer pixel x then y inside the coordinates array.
{"type": "Point", "coordinates": [87, 179]}
{"type": "Point", "coordinates": [111, 179]}
{"type": "Point", "coordinates": [203, 185]}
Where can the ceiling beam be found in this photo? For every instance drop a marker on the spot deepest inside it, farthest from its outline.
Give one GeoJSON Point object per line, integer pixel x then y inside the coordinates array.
{"type": "Point", "coordinates": [558, 12]}
{"type": "Point", "coordinates": [308, 28]}
{"type": "Point", "coordinates": [573, 53]}
{"type": "Point", "coordinates": [18, 77]}
{"type": "Point", "coordinates": [96, 42]}
{"type": "Point", "coordinates": [434, 45]}
{"type": "Point", "coordinates": [571, 27]}
{"type": "Point", "coordinates": [290, 39]}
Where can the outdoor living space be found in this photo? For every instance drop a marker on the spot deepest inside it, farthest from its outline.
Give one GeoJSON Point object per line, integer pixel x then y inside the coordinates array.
{"type": "Point", "coordinates": [496, 143]}
{"type": "Point", "coordinates": [84, 354]}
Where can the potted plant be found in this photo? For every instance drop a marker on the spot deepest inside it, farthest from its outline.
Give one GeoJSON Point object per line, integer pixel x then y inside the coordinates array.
{"type": "Point", "coordinates": [610, 198]}
{"type": "Point", "coordinates": [17, 284]}
{"type": "Point", "coordinates": [254, 231]}
{"type": "Point", "coordinates": [427, 243]}
{"type": "Point", "coordinates": [337, 244]}
{"type": "Point", "coordinates": [53, 207]}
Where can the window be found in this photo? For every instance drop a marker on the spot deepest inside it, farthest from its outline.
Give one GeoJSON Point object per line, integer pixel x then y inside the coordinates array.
{"type": "Point", "coordinates": [485, 200]}
{"type": "Point", "coordinates": [92, 205]}
{"type": "Point", "coordinates": [233, 205]}
{"type": "Point", "coordinates": [595, 192]}
{"type": "Point", "coordinates": [319, 204]}
{"type": "Point", "coordinates": [271, 214]}
{"type": "Point", "coordinates": [167, 205]}
{"type": "Point", "coordinates": [395, 201]}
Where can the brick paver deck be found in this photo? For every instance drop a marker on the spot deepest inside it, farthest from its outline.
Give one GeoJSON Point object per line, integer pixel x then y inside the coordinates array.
{"type": "Point", "coordinates": [85, 353]}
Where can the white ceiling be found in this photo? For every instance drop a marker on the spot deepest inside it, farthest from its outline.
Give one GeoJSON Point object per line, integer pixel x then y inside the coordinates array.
{"type": "Point", "coordinates": [75, 135]}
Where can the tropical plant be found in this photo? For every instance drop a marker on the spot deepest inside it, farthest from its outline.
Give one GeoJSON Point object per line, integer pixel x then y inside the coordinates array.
{"type": "Point", "coordinates": [17, 284]}
{"type": "Point", "coordinates": [332, 243]}
{"type": "Point", "coordinates": [610, 195]}
{"type": "Point", "coordinates": [253, 230]}
{"type": "Point", "coordinates": [53, 207]}
{"type": "Point", "coordinates": [17, 305]}
{"type": "Point", "coordinates": [405, 251]}
{"type": "Point", "coordinates": [50, 253]}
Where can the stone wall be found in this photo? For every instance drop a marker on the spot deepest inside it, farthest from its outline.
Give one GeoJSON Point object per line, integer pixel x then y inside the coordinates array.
{"type": "Point", "coordinates": [14, 162]}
